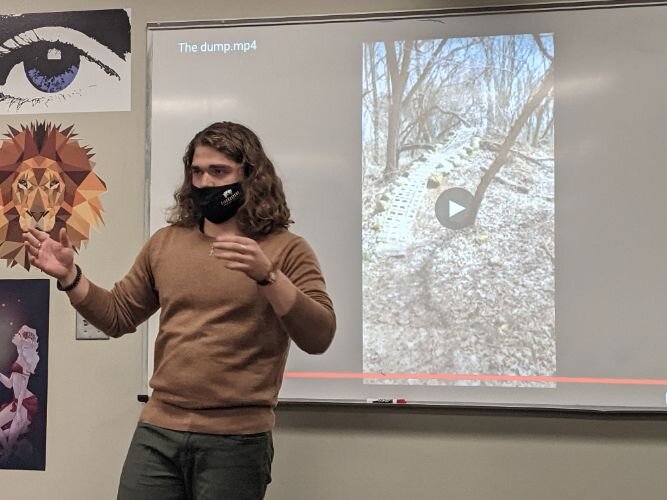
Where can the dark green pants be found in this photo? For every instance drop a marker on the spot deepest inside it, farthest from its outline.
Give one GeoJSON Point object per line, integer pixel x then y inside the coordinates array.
{"type": "Point", "coordinates": [162, 464]}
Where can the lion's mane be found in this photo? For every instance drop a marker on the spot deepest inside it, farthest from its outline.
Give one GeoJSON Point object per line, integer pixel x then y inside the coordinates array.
{"type": "Point", "coordinates": [46, 181]}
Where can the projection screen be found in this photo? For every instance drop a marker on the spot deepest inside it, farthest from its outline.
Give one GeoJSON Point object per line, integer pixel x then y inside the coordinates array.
{"type": "Point", "coordinates": [485, 193]}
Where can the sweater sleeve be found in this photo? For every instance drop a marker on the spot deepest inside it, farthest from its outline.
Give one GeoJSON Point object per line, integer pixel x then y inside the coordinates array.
{"type": "Point", "coordinates": [129, 303]}
{"type": "Point", "coordinates": [311, 321]}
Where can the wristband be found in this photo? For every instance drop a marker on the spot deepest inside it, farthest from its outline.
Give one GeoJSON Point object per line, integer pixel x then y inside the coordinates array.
{"type": "Point", "coordinates": [269, 280]}
{"type": "Point", "coordinates": [270, 277]}
{"type": "Point", "coordinates": [72, 285]}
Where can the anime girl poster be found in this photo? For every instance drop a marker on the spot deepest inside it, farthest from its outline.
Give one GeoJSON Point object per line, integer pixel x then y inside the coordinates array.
{"type": "Point", "coordinates": [63, 62]}
{"type": "Point", "coordinates": [24, 362]}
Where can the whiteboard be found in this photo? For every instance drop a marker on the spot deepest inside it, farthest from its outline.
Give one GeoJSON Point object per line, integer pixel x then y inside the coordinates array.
{"type": "Point", "coordinates": [512, 253]}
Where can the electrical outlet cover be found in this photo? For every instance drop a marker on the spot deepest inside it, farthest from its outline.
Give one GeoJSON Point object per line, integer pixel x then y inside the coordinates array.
{"type": "Point", "coordinates": [86, 331]}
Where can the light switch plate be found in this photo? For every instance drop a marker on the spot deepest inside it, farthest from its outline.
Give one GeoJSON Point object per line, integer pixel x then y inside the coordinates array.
{"type": "Point", "coordinates": [86, 331]}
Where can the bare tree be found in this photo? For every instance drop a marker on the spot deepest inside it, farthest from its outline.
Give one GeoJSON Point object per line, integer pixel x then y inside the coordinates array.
{"type": "Point", "coordinates": [501, 157]}
{"type": "Point", "coordinates": [372, 79]}
{"type": "Point", "coordinates": [398, 75]}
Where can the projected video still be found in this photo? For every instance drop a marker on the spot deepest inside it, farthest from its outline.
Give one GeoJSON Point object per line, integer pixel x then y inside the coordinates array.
{"type": "Point", "coordinates": [458, 211]}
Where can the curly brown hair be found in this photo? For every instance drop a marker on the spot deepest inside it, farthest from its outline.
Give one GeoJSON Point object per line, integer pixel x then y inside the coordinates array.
{"type": "Point", "coordinates": [264, 209]}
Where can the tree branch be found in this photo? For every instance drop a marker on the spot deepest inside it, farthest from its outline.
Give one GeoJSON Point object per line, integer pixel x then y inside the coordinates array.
{"type": "Point", "coordinates": [539, 43]}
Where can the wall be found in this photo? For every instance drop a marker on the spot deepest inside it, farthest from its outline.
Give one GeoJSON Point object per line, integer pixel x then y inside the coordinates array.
{"type": "Point", "coordinates": [322, 452]}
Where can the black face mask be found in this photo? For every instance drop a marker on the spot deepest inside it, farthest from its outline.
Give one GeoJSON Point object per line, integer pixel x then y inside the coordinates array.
{"type": "Point", "coordinates": [218, 203]}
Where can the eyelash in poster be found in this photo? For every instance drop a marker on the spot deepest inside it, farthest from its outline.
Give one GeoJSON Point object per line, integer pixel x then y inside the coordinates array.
{"type": "Point", "coordinates": [50, 64]}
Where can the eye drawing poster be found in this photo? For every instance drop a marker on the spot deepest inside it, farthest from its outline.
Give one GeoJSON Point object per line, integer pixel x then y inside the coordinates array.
{"type": "Point", "coordinates": [65, 62]}
{"type": "Point", "coordinates": [46, 182]}
{"type": "Point", "coordinates": [24, 361]}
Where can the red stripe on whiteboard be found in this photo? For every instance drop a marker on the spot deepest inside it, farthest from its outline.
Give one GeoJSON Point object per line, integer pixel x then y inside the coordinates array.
{"type": "Point", "coordinates": [463, 376]}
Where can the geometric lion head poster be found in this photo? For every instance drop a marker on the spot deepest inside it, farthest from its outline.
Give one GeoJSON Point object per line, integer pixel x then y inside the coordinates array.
{"type": "Point", "coordinates": [47, 182]}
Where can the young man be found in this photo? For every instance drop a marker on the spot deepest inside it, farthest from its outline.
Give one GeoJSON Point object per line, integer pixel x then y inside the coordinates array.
{"type": "Point", "coordinates": [234, 287]}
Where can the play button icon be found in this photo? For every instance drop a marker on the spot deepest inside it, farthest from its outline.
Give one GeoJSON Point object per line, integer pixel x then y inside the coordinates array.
{"type": "Point", "coordinates": [453, 208]}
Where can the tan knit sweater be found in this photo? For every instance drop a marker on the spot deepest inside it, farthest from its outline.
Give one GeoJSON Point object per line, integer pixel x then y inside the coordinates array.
{"type": "Point", "coordinates": [221, 349]}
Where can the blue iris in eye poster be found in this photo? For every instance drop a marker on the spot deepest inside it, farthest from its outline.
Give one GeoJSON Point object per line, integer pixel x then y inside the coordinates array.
{"type": "Point", "coordinates": [24, 362]}
{"type": "Point", "coordinates": [61, 62]}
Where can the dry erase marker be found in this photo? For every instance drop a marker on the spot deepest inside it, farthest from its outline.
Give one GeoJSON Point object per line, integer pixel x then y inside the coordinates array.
{"type": "Point", "coordinates": [388, 401]}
